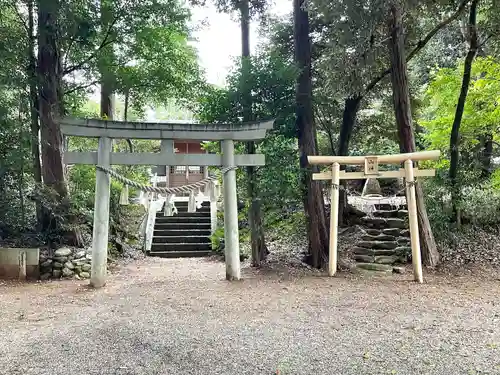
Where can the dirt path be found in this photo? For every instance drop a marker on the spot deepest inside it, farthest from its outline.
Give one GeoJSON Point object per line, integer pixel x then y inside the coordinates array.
{"type": "Point", "coordinates": [159, 317]}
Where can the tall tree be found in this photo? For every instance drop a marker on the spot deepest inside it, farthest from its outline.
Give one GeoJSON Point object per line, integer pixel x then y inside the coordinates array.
{"type": "Point", "coordinates": [257, 240]}
{"type": "Point", "coordinates": [106, 71]}
{"type": "Point", "coordinates": [406, 134]}
{"type": "Point", "coordinates": [34, 105]}
{"type": "Point", "coordinates": [50, 75]}
{"type": "Point", "coordinates": [455, 130]}
{"type": "Point", "coordinates": [312, 194]}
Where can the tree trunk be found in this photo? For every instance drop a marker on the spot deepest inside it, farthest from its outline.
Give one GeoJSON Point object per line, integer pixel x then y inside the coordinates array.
{"type": "Point", "coordinates": [105, 63]}
{"type": "Point", "coordinates": [351, 108]}
{"type": "Point", "coordinates": [487, 155]}
{"type": "Point", "coordinates": [455, 130]}
{"type": "Point", "coordinates": [49, 69]}
{"type": "Point", "coordinates": [257, 240]}
{"type": "Point", "coordinates": [33, 102]}
{"type": "Point", "coordinates": [306, 133]}
{"type": "Point", "coordinates": [401, 98]}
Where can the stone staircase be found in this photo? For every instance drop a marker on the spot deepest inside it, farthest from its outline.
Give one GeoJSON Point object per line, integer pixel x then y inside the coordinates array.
{"type": "Point", "coordinates": [386, 240]}
{"type": "Point", "coordinates": [186, 234]}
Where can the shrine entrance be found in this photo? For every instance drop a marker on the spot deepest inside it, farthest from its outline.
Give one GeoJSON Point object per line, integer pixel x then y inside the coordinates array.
{"type": "Point", "coordinates": [371, 170]}
{"type": "Point", "coordinates": [104, 158]}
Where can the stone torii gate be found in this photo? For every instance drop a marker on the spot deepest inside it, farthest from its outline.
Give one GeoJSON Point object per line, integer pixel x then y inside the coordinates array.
{"type": "Point", "coordinates": [105, 131]}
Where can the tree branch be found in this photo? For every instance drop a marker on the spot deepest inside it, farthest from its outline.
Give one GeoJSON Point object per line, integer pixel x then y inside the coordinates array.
{"type": "Point", "coordinates": [80, 87]}
{"type": "Point", "coordinates": [105, 42]}
{"type": "Point", "coordinates": [421, 43]}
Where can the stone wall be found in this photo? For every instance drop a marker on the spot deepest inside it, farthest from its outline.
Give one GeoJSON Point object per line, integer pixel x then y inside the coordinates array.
{"type": "Point", "coordinates": [65, 263]}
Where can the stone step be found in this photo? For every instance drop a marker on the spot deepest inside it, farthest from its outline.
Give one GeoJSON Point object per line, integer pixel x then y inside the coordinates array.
{"type": "Point", "coordinates": [372, 252]}
{"type": "Point", "coordinates": [391, 213]}
{"type": "Point", "coordinates": [182, 219]}
{"type": "Point", "coordinates": [179, 247]}
{"type": "Point", "coordinates": [375, 267]}
{"type": "Point", "coordinates": [388, 245]}
{"type": "Point", "coordinates": [378, 237]}
{"type": "Point", "coordinates": [179, 254]}
{"type": "Point", "coordinates": [381, 259]}
{"type": "Point", "coordinates": [186, 214]}
{"type": "Point", "coordinates": [181, 239]}
{"type": "Point", "coordinates": [181, 232]}
{"type": "Point", "coordinates": [390, 207]}
{"type": "Point", "coordinates": [383, 223]}
{"type": "Point", "coordinates": [184, 226]}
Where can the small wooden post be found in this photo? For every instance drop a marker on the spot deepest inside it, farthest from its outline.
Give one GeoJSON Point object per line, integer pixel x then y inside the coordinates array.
{"type": "Point", "coordinates": [334, 220]}
{"type": "Point", "coordinates": [412, 215]}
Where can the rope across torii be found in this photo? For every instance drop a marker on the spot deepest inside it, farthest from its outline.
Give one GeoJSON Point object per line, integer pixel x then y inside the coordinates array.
{"type": "Point", "coordinates": [167, 133]}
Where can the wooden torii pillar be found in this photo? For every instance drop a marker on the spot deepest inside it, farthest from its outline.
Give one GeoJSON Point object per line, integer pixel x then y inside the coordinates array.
{"type": "Point", "coordinates": [371, 170]}
{"type": "Point", "coordinates": [105, 131]}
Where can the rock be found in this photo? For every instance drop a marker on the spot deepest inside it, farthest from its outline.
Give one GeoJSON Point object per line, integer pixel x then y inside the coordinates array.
{"type": "Point", "coordinates": [80, 254]}
{"type": "Point", "coordinates": [66, 272]}
{"type": "Point", "coordinates": [403, 214]}
{"type": "Point", "coordinates": [88, 256]}
{"type": "Point", "coordinates": [402, 251]}
{"type": "Point", "coordinates": [344, 264]}
{"type": "Point", "coordinates": [374, 222]}
{"type": "Point", "coordinates": [378, 244]}
{"type": "Point", "coordinates": [45, 276]}
{"type": "Point", "coordinates": [372, 232]}
{"type": "Point", "coordinates": [60, 259]}
{"type": "Point", "coordinates": [77, 269]}
{"type": "Point", "coordinates": [58, 265]}
{"type": "Point", "coordinates": [386, 213]}
{"type": "Point", "coordinates": [62, 252]}
{"type": "Point", "coordinates": [386, 259]}
{"type": "Point", "coordinates": [69, 265]}
{"type": "Point", "coordinates": [403, 241]}
{"type": "Point", "coordinates": [398, 269]}
{"type": "Point", "coordinates": [380, 237]}
{"type": "Point", "coordinates": [364, 258]}
{"type": "Point", "coordinates": [75, 276]}
{"type": "Point", "coordinates": [391, 232]}
{"type": "Point", "coordinates": [86, 267]}
{"type": "Point", "coordinates": [46, 264]}
{"type": "Point", "coordinates": [84, 275]}
{"type": "Point", "coordinates": [56, 273]}
{"type": "Point", "coordinates": [396, 223]}
{"type": "Point", "coordinates": [375, 267]}
{"type": "Point", "coordinates": [405, 233]}
{"type": "Point", "coordinates": [365, 251]}
{"type": "Point", "coordinates": [372, 187]}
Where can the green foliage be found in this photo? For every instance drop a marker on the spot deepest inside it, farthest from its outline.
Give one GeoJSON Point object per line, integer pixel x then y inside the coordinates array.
{"type": "Point", "coordinates": [481, 116]}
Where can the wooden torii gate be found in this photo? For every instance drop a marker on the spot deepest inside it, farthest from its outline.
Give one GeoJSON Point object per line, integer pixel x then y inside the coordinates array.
{"type": "Point", "coordinates": [105, 131]}
{"type": "Point", "coordinates": [371, 170]}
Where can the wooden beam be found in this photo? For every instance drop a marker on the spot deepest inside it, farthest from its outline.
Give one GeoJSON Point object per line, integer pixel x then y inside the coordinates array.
{"type": "Point", "coordinates": [133, 158]}
{"type": "Point", "coordinates": [323, 176]}
{"type": "Point", "coordinates": [382, 159]}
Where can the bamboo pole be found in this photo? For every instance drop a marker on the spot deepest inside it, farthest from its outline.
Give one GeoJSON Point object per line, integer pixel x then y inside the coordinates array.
{"type": "Point", "coordinates": [334, 220]}
{"type": "Point", "coordinates": [412, 215]}
{"type": "Point", "coordinates": [382, 159]}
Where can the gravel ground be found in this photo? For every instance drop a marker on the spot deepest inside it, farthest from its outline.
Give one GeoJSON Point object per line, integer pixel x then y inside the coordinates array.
{"type": "Point", "coordinates": [157, 317]}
